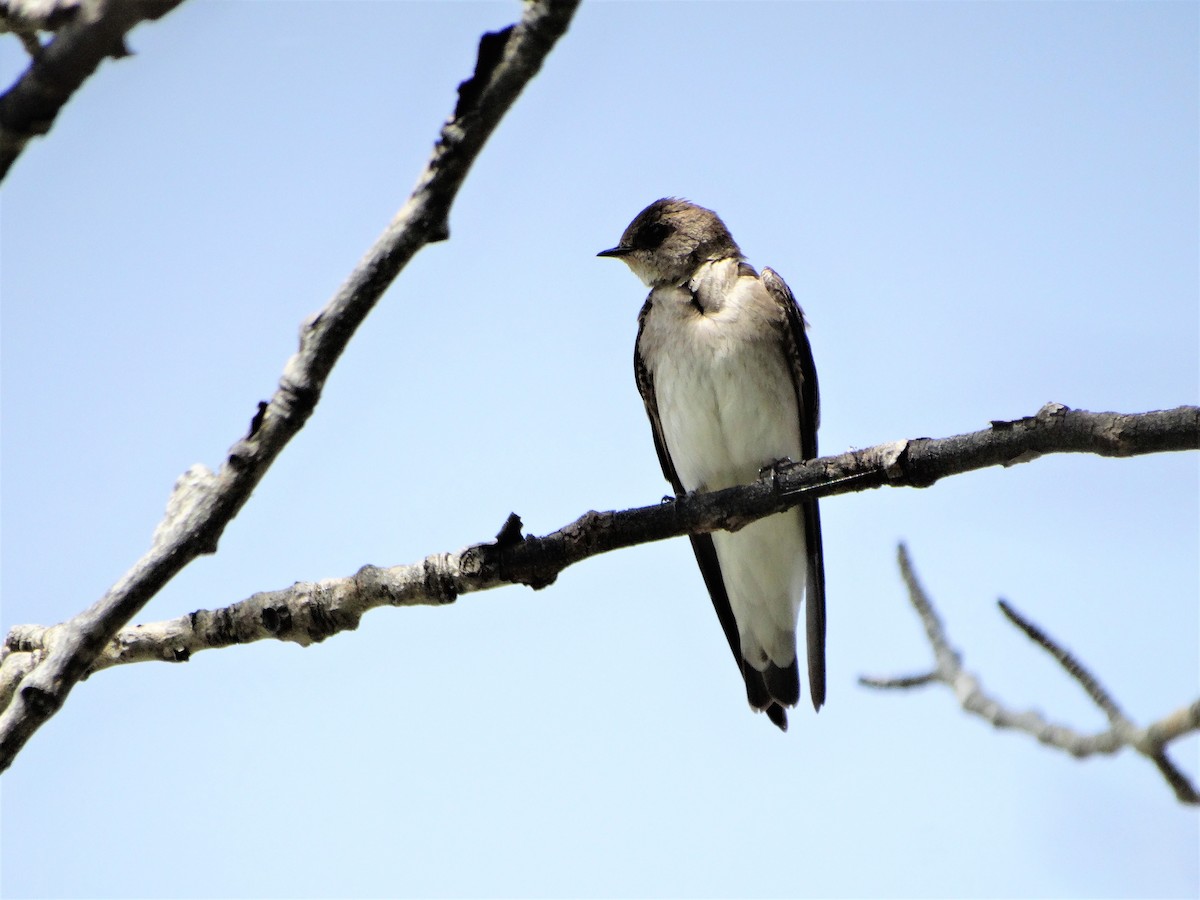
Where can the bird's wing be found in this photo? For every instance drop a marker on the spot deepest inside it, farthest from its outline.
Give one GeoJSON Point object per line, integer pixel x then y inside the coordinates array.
{"type": "Point", "coordinates": [804, 376]}
{"type": "Point", "coordinates": [702, 544]}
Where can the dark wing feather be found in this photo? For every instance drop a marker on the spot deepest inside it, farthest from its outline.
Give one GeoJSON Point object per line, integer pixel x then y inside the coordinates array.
{"type": "Point", "coordinates": [804, 376]}
{"type": "Point", "coordinates": [702, 544]}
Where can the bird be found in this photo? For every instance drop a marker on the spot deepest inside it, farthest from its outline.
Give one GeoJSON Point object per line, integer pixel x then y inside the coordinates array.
{"type": "Point", "coordinates": [726, 373]}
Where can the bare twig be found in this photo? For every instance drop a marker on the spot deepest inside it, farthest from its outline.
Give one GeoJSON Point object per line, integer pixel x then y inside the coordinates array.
{"type": "Point", "coordinates": [205, 502]}
{"type": "Point", "coordinates": [1073, 666]}
{"type": "Point", "coordinates": [88, 32]}
{"type": "Point", "coordinates": [1150, 742]}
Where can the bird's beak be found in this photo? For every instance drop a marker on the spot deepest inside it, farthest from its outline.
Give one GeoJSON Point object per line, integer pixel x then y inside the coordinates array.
{"type": "Point", "coordinates": [616, 252]}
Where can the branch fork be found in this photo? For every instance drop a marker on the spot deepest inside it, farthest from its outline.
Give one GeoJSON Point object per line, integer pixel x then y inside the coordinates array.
{"type": "Point", "coordinates": [1150, 742]}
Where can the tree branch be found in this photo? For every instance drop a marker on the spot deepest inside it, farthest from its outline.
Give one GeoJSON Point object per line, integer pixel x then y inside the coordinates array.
{"type": "Point", "coordinates": [310, 612]}
{"type": "Point", "coordinates": [203, 502]}
{"type": "Point", "coordinates": [88, 32]}
{"type": "Point", "coordinates": [1150, 742]}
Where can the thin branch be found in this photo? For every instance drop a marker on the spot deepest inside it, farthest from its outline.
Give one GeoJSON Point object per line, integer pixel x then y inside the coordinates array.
{"type": "Point", "coordinates": [309, 612]}
{"type": "Point", "coordinates": [898, 681]}
{"type": "Point", "coordinates": [203, 503]}
{"type": "Point", "coordinates": [1074, 667]}
{"type": "Point", "coordinates": [1150, 742]}
{"type": "Point", "coordinates": [88, 33]}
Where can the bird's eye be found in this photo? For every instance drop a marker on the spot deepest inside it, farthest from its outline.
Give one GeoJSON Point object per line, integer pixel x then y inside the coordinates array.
{"type": "Point", "coordinates": [651, 235]}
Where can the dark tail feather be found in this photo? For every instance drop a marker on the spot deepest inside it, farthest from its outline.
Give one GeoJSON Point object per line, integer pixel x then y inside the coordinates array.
{"type": "Point", "coordinates": [776, 714]}
{"type": "Point", "coordinates": [763, 690]}
{"type": "Point", "coordinates": [759, 695]}
{"type": "Point", "coordinates": [783, 684]}
{"type": "Point", "coordinates": [814, 600]}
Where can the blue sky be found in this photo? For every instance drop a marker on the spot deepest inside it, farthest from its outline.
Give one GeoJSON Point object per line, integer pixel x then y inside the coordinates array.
{"type": "Point", "coordinates": [981, 207]}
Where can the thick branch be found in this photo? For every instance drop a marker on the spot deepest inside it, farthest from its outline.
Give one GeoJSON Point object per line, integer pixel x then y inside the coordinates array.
{"type": "Point", "coordinates": [203, 503]}
{"type": "Point", "coordinates": [913, 463]}
{"type": "Point", "coordinates": [88, 32]}
{"type": "Point", "coordinates": [1150, 742]}
{"type": "Point", "coordinates": [305, 613]}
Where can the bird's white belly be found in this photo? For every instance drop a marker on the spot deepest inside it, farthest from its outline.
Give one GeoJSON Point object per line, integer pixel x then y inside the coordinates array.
{"type": "Point", "coordinates": [764, 567]}
{"type": "Point", "coordinates": [728, 408]}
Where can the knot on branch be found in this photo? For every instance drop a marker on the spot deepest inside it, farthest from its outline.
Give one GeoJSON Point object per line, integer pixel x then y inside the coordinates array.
{"type": "Point", "coordinates": [187, 505]}
{"type": "Point", "coordinates": [295, 399]}
{"type": "Point", "coordinates": [1052, 410]}
{"type": "Point", "coordinates": [518, 559]}
{"type": "Point", "coordinates": [257, 421]}
{"type": "Point", "coordinates": [322, 622]}
{"type": "Point", "coordinates": [491, 52]}
{"type": "Point", "coordinates": [277, 619]}
{"type": "Point", "coordinates": [509, 534]}
{"type": "Point", "coordinates": [216, 625]}
{"type": "Point", "coordinates": [513, 558]}
{"type": "Point", "coordinates": [25, 638]}
{"type": "Point", "coordinates": [41, 701]}
{"type": "Point", "coordinates": [438, 582]}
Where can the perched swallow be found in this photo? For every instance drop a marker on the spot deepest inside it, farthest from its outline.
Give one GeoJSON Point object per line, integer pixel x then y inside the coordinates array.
{"type": "Point", "coordinates": [726, 373]}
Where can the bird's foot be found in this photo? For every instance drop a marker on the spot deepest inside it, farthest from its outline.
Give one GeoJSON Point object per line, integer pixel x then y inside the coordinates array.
{"type": "Point", "coordinates": [779, 467]}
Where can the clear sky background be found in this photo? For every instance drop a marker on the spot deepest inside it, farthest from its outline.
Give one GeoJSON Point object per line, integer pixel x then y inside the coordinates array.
{"type": "Point", "coordinates": [981, 207]}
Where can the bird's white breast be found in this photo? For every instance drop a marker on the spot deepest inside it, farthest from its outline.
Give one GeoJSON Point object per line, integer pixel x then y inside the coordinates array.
{"type": "Point", "coordinates": [724, 390]}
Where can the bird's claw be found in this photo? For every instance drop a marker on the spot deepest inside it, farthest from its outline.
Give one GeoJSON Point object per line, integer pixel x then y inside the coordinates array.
{"type": "Point", "coordinates": [776, 468]}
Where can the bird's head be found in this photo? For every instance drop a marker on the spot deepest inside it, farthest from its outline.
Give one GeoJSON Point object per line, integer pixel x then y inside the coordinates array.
{"type": "Point", "coordinates": [670, 239]}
